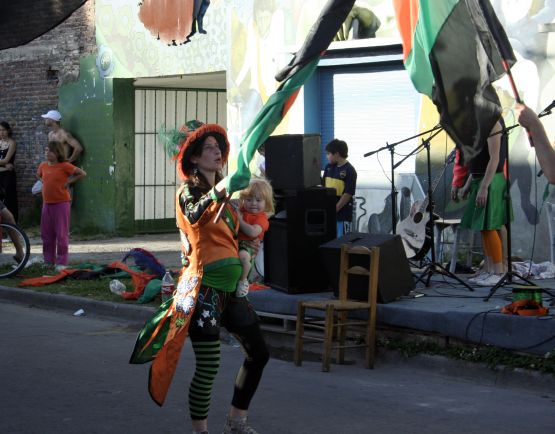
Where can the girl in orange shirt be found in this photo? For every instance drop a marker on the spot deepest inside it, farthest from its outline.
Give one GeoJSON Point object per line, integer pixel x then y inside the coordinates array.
{"type": "Point", "coordinates": [56, 175]}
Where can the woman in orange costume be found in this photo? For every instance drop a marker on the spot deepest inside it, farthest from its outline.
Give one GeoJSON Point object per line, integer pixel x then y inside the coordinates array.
{"type": "Point", "coordinates": [204, 299]}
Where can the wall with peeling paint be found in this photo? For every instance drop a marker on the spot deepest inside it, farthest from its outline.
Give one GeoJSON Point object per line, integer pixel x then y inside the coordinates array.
{"type": "Point", "coordinates": [31, 77]}
{"type": "Point", "coordinates": [89, 108]}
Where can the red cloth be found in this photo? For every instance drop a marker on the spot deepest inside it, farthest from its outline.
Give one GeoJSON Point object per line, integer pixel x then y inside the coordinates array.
{"type": "Point", "coordinates": [260, 219]}
{"type": "Point", "coordinates": [460, 172]}
{"type": "Point", "coordinates": [139, 278]}
{"type": "Point", "coordinates": [257, 287]}
{"type": "Point", "coordinates": [54, 179]}
{"type": "Point", "coordinates": [46, 280]}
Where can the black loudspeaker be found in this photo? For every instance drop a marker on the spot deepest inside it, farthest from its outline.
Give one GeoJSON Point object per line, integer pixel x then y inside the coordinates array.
{"type": "Point", "coordinates": [293, 161]}
{"type": "Point", "coordinates": [291, 260]}
{"type": "Point", "coordinates": [395, 278]}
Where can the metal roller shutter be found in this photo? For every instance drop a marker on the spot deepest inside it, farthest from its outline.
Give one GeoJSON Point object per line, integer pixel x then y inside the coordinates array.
{"type": "Point", "coordinates": [368, 106]}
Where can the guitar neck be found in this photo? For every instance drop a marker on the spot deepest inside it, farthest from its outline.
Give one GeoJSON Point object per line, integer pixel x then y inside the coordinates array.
{"type": "Point", "coordinates": [450, 158]}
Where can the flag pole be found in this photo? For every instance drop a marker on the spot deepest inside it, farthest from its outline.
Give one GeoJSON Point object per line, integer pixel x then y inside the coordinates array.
{"type": "Point", "coordinates": [501, 49]}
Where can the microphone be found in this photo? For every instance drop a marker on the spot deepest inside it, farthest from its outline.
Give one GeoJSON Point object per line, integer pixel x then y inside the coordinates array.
{"type": "Point", "coordinates": [548, 109]}
{"type": "Point", "coordinates": [368, 154]}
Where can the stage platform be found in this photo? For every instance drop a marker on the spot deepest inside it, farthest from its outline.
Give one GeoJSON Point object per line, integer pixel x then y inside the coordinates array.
{"type": "Point", "coordinates": [445, 308]}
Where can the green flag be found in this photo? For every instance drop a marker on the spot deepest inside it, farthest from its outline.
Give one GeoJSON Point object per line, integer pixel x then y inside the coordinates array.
{"type": "Point", "coordinates": [452, 50]}
{"type": "Point", "coordinates": [293, 76]}
{"type": "Point", "coordinates": [265, 123]}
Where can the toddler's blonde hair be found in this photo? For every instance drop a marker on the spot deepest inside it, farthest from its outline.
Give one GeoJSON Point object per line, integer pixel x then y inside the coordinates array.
{"type": "Point", "coordinates": [261, 187]}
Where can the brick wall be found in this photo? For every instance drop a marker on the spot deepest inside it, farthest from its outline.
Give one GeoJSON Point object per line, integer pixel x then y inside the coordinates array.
{"type": "Point", "coordinates": [31, 75]}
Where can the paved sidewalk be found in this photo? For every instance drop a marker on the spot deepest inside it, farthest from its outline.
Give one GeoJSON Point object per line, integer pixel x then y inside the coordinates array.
{"type": "Point", "coordinates": [166, 248]}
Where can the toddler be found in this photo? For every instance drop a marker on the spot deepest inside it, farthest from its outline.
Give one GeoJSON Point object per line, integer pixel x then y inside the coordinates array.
{"type": "Point", "coordinates": [256, 203]}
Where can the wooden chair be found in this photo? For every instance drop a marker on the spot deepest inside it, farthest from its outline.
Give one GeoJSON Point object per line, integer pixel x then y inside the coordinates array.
{"type": "Point", "coordinates": [337, 312]}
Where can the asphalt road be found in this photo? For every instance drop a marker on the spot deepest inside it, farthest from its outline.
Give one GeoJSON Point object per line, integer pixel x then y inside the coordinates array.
{"type": "Point", "coordinates": [66, 374]}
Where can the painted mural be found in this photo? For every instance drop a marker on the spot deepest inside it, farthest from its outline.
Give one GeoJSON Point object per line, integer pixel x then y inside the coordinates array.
{"type": "Point", "coordinates": [253, 39]}
{"type": "Point", "coordinates": [265, 33]}
{"type": "Point", "coordinates": [153, 38]}
{"type": "Point", "coordinates": [175, 23]}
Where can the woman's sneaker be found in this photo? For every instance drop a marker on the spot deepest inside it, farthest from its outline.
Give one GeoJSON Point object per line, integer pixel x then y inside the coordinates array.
{"type": "Point", "coordinates": [479, 277]}
{"type": "Point", "coordinates": [237, 425]}
{"type": "Point", "coordinates": [492, 280]}
{"type": "Point", "coordinates": [242, 288]}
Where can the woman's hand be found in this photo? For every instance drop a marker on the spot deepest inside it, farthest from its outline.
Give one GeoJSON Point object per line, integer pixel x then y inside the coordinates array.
{"type": "Point", "coordinates": [482, 197]}
{"type": "Point", "coordinates": [526, 116]}
{"type": "Point", "coordinates": [454, 193]}
{"type": "Point", "coordinates": [220, 188]}
{"type": "Point", "coordinates": [254, 245]}
{"type": "Point", "coordinates": [463, 192]}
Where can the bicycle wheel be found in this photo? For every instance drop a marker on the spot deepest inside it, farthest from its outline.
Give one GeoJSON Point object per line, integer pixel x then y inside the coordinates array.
{"type": "Point", "coordinates": [14, 249]}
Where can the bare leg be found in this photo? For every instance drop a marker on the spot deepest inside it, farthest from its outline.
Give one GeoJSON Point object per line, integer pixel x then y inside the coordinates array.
{"type": "Point", "coordinates": [235, 412]}
{"type": "Point", "coordinates": [488, 262]}
{"type": "Point", "coordinates": [200, 425]}
{"type": "Point", "coordinates": [245, 259]}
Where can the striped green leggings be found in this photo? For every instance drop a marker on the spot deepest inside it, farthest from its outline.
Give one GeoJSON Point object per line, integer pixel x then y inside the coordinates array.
{"type": "Point", "coordinates": [215, 309]}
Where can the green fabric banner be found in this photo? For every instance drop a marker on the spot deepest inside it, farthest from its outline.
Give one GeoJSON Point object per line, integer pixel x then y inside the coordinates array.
{"type": "Point", "coordinates": [431, 18]}
{"type": "Point", "coordinates": [292, 77]}
{"type": "Point", "coordinates": [454, 59]}
{"type": "Point", "coordinates": [265, 123]}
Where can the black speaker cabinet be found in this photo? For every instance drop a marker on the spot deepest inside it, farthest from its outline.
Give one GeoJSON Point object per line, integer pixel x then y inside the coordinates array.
{"type": "Point", "coordinates": [293, 161]}
{"type": "Point", "coordinates": [395, 278]}
{"type": "Point", "coordinates": [291, 260]}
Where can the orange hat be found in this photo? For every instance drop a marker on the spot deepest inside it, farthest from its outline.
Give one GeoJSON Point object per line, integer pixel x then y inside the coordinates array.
{"type": "Point", "coordinates": [193, 141]}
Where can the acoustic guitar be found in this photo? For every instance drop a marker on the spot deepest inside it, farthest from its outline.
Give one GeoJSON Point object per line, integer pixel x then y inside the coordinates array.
{"type": "Point", "coordinates": [415, 230]}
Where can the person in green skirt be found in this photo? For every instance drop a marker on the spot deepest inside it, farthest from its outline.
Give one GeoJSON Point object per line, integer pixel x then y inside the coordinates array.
{"type": "Point", "coordinates": [486, 210]}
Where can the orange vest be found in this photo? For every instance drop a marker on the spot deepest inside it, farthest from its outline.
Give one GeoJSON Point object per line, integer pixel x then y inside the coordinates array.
{"type": "Point", "coordinates": [202, 243]}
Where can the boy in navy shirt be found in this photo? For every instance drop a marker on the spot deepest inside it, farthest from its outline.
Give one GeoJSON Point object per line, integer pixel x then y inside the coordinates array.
{"type": "Point", "coordinates": [342, 176]}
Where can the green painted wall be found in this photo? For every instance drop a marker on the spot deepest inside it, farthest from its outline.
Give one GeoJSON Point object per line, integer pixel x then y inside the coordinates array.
{"type": "Point", "coordinates": [124, 142]}
{"type": "Point", "coordinates": [101, 204]}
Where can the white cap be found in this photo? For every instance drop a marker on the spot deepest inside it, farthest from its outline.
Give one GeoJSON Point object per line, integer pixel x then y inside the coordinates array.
{"type": "Point", "coordinates": [53, 114]}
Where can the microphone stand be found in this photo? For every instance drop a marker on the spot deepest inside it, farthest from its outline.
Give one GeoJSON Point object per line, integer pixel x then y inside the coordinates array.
{"type": "Point", "coordinates": [433, 266]}
{"type": "Point", "coordinates": [507, 278]}
{"type": "Point", "coordinates": [391, 148]}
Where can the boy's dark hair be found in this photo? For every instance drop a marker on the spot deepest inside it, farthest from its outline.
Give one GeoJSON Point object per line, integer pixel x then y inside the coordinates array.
{"type": "Point", "coordinates": [337, 146]}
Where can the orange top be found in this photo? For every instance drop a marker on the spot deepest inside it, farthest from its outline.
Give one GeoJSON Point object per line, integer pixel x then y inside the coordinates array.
{"type": "Point", "coordinates": [54, 179]}
{"type": "Point", "coordinates": [260, 219]}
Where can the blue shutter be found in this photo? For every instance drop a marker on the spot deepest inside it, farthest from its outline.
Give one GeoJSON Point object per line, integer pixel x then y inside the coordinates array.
{"type": "Point", "coordinates": [368, 106]}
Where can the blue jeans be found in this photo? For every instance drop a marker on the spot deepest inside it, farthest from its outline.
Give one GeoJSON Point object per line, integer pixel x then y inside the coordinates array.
{"type": "Point", "coordinates": [340, 228]}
